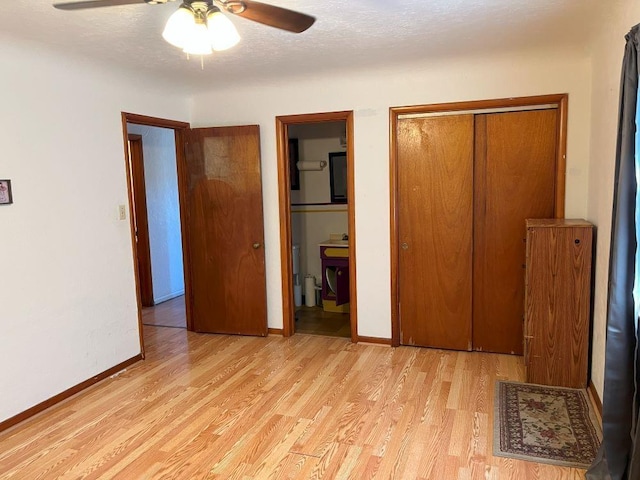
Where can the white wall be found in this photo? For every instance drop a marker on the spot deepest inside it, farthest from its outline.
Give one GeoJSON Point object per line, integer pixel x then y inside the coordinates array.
{"type": "Point", "coordinates": [315, 142]}
{"type": "Point", "coordinates": [370, 94]}
{"type": "Point", "coordinates": [67, 297]}
{"type": "Point", "coordinates": [163, 210]}
{"type": "Point", "coordinates": [315, 186]}
{"type": "Point", "coordinates": [608, 49]}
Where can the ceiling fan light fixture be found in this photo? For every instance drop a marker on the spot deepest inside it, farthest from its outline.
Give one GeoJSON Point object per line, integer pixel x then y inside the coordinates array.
{"type": "Point", "coordinates": [222, 32]}
{"type": "Point", "coordinates": [180, 26]}
{"type": "Point", "coordinates": [198, 41]}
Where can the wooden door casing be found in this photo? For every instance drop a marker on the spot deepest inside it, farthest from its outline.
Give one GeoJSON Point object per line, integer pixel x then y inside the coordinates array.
{"type": "Point", "coordinates": [284, 195]}
{"type": "Point", "coordinates": [226, 230]}
{"type": "Point", "coordinates": [515, 180]}
{"type": "Point", "coordinates": [140, 220]}
{"type": "Point", "coordinates": [435, 200]}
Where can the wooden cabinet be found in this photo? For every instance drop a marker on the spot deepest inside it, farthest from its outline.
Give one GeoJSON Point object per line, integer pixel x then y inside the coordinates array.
{"type": "Point", "coordinates": [335, 278]}
{"type": "Point", "coordinates": [557, 301]}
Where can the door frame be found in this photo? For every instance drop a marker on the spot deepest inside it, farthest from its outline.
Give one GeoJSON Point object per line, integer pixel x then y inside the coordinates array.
{"type": "Point", "coordinates": [140, 220]}
{"type": "Point", "coordinates": [560, 100]}
{"type": "Point", "coordinates": [282, 138]}
{"type": "Point", "coordinates": [179, 129]}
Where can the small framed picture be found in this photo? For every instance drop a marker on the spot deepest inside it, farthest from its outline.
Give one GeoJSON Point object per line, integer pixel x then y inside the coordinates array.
{"type": "Point", "coordinates": [5, 192]}
{"type": "Point", "coordinates": [294, 173]}
{"type": "Point", "coordinates": [338, 177]}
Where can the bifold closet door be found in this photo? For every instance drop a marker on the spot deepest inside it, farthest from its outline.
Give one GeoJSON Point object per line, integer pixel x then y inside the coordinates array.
{"type": "Point", "coordinates": [515, 179]}
{"type": "Point", "coordinates": [435, 230]}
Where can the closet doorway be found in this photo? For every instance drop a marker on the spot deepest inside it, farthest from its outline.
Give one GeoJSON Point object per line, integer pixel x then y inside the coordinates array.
{"type": "Point", "coordinates": [465, 176]}
{"type": "Point", "coordinates": [317, 223]}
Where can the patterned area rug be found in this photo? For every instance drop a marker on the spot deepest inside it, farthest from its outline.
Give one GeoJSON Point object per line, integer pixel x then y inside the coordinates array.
{"type": "Point", "coordinates": [545, 424]}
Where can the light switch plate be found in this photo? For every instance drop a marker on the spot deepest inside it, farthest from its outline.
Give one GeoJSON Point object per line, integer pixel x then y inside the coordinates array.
{"type": "Point", "coordinates": [122, 212]}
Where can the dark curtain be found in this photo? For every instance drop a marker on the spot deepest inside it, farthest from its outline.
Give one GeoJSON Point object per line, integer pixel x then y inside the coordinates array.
{"type": "Point", "coordinates": [619, 456]}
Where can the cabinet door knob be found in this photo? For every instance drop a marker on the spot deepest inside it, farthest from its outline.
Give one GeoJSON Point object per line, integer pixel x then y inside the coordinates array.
{"type": "Point", "coordinates": [256, 245]}
{"type": "Point", "coordinates": [404, 246]}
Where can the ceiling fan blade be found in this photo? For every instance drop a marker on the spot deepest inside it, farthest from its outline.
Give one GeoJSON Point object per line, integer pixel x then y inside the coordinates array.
{"type": "Point", "coordinates": [273, 16]}
{"type": "Point", "coordinates": [94, 4]}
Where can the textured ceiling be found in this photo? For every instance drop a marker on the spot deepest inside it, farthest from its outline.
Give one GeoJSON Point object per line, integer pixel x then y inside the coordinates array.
{"type": "Point", "coordinates": [347, 34]}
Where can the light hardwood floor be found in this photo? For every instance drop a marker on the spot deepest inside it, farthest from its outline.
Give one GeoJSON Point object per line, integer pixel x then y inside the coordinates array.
{"type": "Point", "coordinates": [209, 406]}
{"type": "Point", "coordinates": [166, 314]}
{"type": "Point", "coordinates": [316, 321]}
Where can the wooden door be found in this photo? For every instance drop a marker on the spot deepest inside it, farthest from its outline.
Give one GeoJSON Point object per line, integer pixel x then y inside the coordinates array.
{"type": "Point", "coordinates": [515, 179]}
{"type": "Point", "coordinates": [435, 220]}
{"type": "Point", "coordinates": [225, 230]}
{"type": "Point", "coordinates": [140, 220]}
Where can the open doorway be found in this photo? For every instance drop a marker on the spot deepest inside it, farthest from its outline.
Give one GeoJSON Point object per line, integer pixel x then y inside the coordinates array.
{"type": "Point", "coordinates": [152, 152]}
{"type": "Point", "coordinates": [315, 162]}
{"type": "Point", "coordinates": [156, 221]}
{"type": "Point", "coordinates": [223, 258]}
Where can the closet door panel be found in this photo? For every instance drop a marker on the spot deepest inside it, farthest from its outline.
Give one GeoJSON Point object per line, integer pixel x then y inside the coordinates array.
{"type": "Point", "coordinates": [435, 218]}
{"type": "Point", "coordinates": [515, 175]}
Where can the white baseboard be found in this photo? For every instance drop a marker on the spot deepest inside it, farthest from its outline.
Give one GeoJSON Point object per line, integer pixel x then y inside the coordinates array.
{"type": "Point", "coordinates": [164, 298]}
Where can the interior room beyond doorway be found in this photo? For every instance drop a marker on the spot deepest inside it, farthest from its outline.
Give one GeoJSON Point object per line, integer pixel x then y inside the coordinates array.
{"type": "Point", "coordinates": [320, 227]}
{"type": "Point", "coordinates": [166, 314]}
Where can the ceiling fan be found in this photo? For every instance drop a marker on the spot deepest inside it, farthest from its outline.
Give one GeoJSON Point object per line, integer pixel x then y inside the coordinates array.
{"type": "Point", "coordinates": [198, 26]}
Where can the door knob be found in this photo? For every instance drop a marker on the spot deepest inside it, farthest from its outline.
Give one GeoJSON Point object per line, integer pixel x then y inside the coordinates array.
{"type": "Point", "coordinates": [404, 245]}
{"type": "Point", "coordinates": [256, 245]}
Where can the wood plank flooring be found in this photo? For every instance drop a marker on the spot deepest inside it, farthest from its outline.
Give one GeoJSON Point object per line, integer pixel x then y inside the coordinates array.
{"type": "Point", "coordinates": [231, 407]}
{"type": "Point", "coordinates": [316, 321]}
{"type": "Point", "coordinates": [166, 314]}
